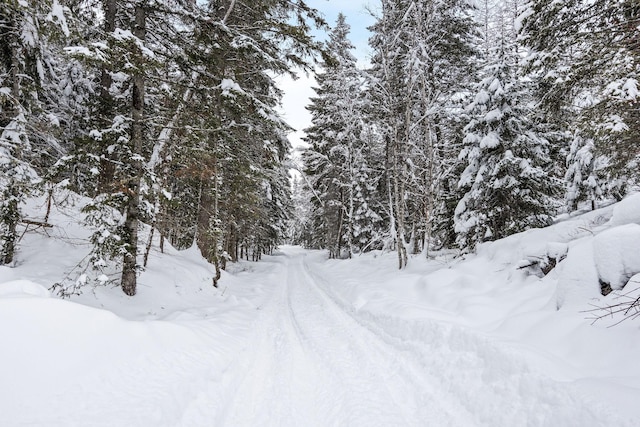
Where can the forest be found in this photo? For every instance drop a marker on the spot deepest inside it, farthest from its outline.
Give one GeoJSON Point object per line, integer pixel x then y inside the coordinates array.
{"type": "Point", "coordinates": [472, 123]}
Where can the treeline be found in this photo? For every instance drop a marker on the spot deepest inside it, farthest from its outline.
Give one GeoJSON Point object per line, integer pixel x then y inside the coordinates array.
{"type": "Point", "coordinates": [471, 124]}
{"type": "Point", "coordinates": [162, 112]}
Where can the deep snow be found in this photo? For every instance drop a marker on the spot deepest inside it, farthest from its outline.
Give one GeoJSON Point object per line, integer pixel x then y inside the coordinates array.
{"type": "Point", "coordinates": [299, 340]}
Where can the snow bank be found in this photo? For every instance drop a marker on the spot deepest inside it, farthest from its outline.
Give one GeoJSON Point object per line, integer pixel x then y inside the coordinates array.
{"type": "Point", "coordinates": [71, 364]}
{"type": "Point", "coordinates": [544, 318]}
{"type": "Point", "coordinates": [627, 211]}
{"type": "Point", "coordinates": [577, 277]}
{"type": "Point", "coordinates": [106, 359]}
{"type": "Point", "coordinates": [23, 288]}
{"type": "Point", "coordinates": [617, 254]}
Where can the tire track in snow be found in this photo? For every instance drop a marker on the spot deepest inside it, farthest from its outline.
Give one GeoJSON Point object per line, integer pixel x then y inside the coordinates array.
{"type": "Point", "coordinates": [315, 366]}
{"type": "Point", "coordinates": [317, 362]}
{"type": "Point", "coordinates": [412, 386]}
{"type": "Point", "coordinates": [487, 380]}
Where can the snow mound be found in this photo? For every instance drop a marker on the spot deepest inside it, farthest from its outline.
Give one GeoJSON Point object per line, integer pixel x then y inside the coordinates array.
{"type": "Point", "coordinates": [577, 277]}
{"type": "Point", "coordinates": [617, 254]}
{"type": "Point", "coordinates": [557, 250]}
{"type": "Point", "coordinates": [627, 211]}
{"type": "Point", "coordinates": [23, 288]}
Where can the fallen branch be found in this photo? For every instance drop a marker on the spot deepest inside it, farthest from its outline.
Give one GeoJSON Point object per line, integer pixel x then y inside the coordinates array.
{"type": "Point", "coordinates": [37, 223]}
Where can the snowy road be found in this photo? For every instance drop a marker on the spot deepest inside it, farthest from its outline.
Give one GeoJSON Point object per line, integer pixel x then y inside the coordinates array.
{"type": "Point", "coordinates": [316, 365]}
{"type": "Point", "coordinates": [315, 361]}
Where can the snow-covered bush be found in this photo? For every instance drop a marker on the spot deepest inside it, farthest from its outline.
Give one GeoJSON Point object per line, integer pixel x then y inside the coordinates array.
{"type": "Point", "coordinates": [541, 265]}
{"type": "Point", "coordinates": [616, 254]}
{"type": "Point", "coordinates": [627, 211]}
{"type": "Point", "coordinates": [577, 276]}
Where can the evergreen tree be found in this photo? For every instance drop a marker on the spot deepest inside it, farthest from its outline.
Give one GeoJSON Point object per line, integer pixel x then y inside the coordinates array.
{"type": "Point", "coordinates": [583, 178]}
{"type": "Point", "coordinates": [337, 159]}
{"type": "Point", "coordinates": [506, 185]}
{"type": "Point", "coordinates": [583, 59]}
{"type": "Point", "coordinates": [180, 125]}
{"type": "Point", "coordinates": [301, 230]}
{"type": "Point", "coordinates": [29, 90]}
{"type": "Point", "coordinates": [423, 59]}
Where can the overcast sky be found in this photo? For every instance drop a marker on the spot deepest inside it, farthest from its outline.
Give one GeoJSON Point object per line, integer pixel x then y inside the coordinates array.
{"type": "Point", "coordinates": [297, 92]}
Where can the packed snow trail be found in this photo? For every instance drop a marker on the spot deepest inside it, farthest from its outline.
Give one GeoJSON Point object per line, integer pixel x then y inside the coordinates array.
{"type": "Point", "coordinates": [316, 362]}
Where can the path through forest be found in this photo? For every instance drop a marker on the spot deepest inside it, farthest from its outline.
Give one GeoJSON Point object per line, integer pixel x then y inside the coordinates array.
{"type": "Point", "coordinates": [296, 340]}
{"type": "Point", "coordinates": [315, 361]}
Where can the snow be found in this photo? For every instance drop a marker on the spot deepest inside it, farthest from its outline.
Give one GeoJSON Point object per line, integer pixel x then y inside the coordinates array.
{"type": "Point", "coordinates": [482, 97]}
{"type": "Point", "coordinates": [490, 140]}
{"type": "Point", "coordinates": [627, 211]}
{"type": "Point", "coordinates": [493, 115]}
{"type": "Point", "coordinates": [578, 277]}
{"type": "Point", "coordinates": [23, 288]}
{"type": "Point", "coordinates": [557, 250]}
{"type": "Point", "coordinates": [617, 254]}
{"type": "Point", "coordinates": [630, 89]}
{"type": "Point", "coordinates": [127, 36]}
{"type": "Point", "coordinates": [297, 339]}
{"type": "Point", "coordinates": [228, 86]}
{"type": "Point", "coordinates": [615, 124]}
{"type": "Point", "coordinates": [517, 25]}
{"type": "Point", "coordinates": [57, 16]}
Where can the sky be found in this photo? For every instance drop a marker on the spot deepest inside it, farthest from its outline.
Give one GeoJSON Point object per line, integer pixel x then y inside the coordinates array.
{"type": "Point", "coordinates": [297, 92]}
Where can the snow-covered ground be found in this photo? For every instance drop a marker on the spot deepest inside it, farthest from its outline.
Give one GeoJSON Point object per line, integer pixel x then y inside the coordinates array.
{"type": "Point", "coordinates": [299, 340]}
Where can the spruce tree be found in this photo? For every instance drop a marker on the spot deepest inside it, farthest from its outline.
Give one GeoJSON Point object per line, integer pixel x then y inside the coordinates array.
{"type": "Point", "coordinates": [583, 57]}
{"type": "Point", "coordinates": [29, 92]}
{"type": "Point", "coordinates": [506, 185]}
{"type": "Point", "coordinates": [337, 159]}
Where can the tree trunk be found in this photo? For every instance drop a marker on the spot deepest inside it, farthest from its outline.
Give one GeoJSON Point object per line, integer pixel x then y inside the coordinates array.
{"type": "Point", "coordinates": [137, 142]}
{"type": "Point", "coordinates": [10, 211]}
{"type": "Point", "coordinates": [398, 188]}
{"type": "Point", "coordinates": [10, 218]}
{"type": "Point", "coordinates": [107, 166]}
{"type": "Point", "coordinates": [149, 244]}
{"type": "Point", "coordinates": [352, 184]}
{"type": "Point", "coordinates": [338, 242]}
{"type": "Point", "coordinates": [216, 219]}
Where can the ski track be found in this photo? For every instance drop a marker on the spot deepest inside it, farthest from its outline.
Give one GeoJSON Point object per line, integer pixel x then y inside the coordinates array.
{"type": "Point", "coordinates": [316, 362]}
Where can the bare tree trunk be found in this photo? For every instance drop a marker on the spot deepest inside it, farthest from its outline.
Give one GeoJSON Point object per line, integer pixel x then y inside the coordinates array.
{"type": "Point", "coordinates": [399, 208]}
{"type": "Point", "coordinates": [388, 172]}
{"type": "Point", "coordinates": [129, 264]}
{"type": "Point", "coordinates": [149, 244]}
{"type": "Point", "coordinates": [430, 182]}
{"type": "Point", "coordinates": [216, 219]}
{"type": "Point", "coordinates": [10, 217]}
{"type": "Point", "coordinates": [350, 225]}
{"type": "Point", "coordinates": [338, 242]}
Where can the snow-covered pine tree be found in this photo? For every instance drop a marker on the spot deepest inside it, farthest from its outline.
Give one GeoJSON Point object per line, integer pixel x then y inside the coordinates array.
{"type": "Point", "coordinates": [506, 185]}
{"type": "Point", "coordinates": [29, 91]}
{"type": "Point", "coordinates": [584, 175]}
{"type": "Point", "coordinates": [337, 159]}
{"type": "Point", "coordinates": [300, 228]}
{"type": "Point", "coordinates": [133, 66]}
{"type": "Point", "coordinates": [583, 59]}
{"type": "Point", "coordinates": [229, 186]}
